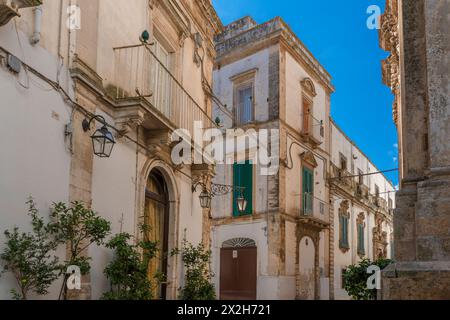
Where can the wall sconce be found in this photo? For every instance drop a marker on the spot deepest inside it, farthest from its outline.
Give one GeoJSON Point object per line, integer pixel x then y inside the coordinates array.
{"type": "Point", "coordinates": [102, 139]}
{"type": "Point", "coordinates": [220, 190]}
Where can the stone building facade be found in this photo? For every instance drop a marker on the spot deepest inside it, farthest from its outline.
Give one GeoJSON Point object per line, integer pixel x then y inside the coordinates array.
{"type": "Point", "coordinates": [287, 243]}
{"type": "Point", "coordinates": [416, 33]}
{"type": "Point", "coordinates": [363, 204]}
{"type": "Point", "coordinates": [74, 69]}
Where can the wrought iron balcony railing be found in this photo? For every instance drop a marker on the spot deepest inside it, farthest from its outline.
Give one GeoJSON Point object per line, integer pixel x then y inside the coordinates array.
{"type": "Point", "coordinates": [139, 73]}
{"type": "Point", "coordinates": [312, 206]}
{"type": "Point", "coordinates": [313, 129]}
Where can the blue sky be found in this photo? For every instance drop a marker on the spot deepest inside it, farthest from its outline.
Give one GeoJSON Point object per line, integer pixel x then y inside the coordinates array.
{"type": "Point", "coordinates": [336, 33]}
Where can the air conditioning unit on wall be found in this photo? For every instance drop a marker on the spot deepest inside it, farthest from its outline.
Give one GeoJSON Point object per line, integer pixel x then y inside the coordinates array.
{"type": "Point", "coordinates": [10, 8]}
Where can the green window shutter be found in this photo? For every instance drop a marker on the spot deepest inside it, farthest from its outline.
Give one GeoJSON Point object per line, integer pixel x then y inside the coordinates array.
{"type": "Point", "coordinates": [243, 177]}
{"type": "Point", "coordinates": [345, 233]}
{"type": "Point", "coordinates": [359, 237]}
{"type": "Point", "coordinates": [361, 248]}
{"type": "Point", "coordinates": [307, 191]}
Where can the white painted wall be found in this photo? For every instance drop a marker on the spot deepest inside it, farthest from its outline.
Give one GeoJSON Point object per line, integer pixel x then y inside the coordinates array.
{"type": "Point", "coordinates": [35, 160]}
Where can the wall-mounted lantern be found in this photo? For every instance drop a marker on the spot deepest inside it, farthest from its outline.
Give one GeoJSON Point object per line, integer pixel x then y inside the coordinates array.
{"type": "Point", "coordinates": [102, 139]}
{"type": "Point", "coordinates": [220, 190]}
{"type": "Point", "coordinates": [241, 203]}
{"type": "Point", "coordinates": [205, 199]}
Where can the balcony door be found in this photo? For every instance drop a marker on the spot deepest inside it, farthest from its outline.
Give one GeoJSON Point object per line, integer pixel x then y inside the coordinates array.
{"type": "Point", "coordinates": [244, 104]}
{"type": "Point", "coordinates": [161, 79]}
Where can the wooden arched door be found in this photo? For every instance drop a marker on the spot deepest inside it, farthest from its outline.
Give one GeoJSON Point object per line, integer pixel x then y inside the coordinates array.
{"type": "Point", "coordinates": [157, 221]}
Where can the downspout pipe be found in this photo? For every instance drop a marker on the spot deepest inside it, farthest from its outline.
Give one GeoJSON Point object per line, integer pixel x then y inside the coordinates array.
{"type": "Point", "coordinates": [36, 37]}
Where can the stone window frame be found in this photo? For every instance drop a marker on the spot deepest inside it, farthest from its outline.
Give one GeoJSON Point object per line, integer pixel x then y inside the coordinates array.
{"type": "Point", "coordinates": [344, 216]}
{"type": "Point", "coordinates": [240, 81]}
{"type": "Point", "coordinates": [308, 93]}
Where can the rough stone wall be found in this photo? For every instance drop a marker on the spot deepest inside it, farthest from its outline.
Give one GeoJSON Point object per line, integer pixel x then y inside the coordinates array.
{"type": "Point", "coordinates": [422, 220]}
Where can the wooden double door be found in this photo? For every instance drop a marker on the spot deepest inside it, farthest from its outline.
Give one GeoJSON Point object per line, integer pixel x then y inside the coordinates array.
{"type": "Point", "coordinates": [238, 273]}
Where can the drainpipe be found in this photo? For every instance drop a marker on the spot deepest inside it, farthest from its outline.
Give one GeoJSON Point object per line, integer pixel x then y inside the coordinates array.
{"type": "Point", "coordinates": [36, 37]}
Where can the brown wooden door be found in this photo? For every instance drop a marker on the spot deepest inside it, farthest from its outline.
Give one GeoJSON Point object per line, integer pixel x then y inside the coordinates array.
{"type": "Point", "coordinates": [238, 273]}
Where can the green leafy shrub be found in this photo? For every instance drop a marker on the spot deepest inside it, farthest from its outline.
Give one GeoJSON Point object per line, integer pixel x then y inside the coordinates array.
{"type": "Point", "coordinates": [198, 284]}
{"type": "Point", "coordinates": [356, 276]}
{"type": "Point", "coordinates": [30, 256]}
{"type": "Point", "coordinates": [78, 227]}
{"type": "Point", "coordinates": [127, 273]}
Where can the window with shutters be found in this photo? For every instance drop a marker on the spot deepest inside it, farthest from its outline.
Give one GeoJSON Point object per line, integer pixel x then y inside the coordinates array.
{"type": "Point", "coordinates": [360, 226]}
{"type": "Point", "coordinates": [243, 177]}
{"type": "Point", "coordinates": [344, 218]}
{"type": "Point", "coordinates": [307, 191]}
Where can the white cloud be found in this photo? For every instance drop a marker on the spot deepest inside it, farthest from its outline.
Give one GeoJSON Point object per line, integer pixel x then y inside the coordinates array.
{"type": "Point", "coordinates": [396, 145]}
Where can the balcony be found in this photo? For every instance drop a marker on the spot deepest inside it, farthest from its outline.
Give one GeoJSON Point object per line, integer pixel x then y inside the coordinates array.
{"type": "Point", "coordinates": [313, 212]}
{"type": "Point", "coordinates": [10, 8]}
{"type": "Point", "coordinates": [313, 130]}
{"type": "Point", "coordinates": [244, 114]}
{"type": "Point", "coordinates": [342, 178]}
{"type": "Point", "coordinates": [141, 76]}
{"type": "Point", "coordinates": [312, 206]}
{"type": "Point", "coordinates": [362, 192]}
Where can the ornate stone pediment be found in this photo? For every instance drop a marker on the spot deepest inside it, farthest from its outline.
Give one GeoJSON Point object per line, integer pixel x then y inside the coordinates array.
{"type": "Point", "coordinates": [308, 87]}
{"type": "Point", "coordinates": [343, 209]}
{"type": "Point", "coordinates": [309, 158]}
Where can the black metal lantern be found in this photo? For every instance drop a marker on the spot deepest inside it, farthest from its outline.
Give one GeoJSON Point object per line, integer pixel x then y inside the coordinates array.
{"type": "Point", "coordinates": [102, 139]}
{"type": "Point", "coordinates": [241, 203]}
{"type": "Point", "coordinates": [220, 190]}
{"type": "Point", "coordinates": [205, 199]}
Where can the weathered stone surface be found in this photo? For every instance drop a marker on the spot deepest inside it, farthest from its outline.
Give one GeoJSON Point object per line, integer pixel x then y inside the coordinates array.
{"type": "Point", "coordinates": [422, 219]}
{"type": "Point", "coordinates": [416, 281]}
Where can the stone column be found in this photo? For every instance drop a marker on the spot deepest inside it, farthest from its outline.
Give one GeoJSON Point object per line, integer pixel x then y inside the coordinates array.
{"type": "Point", "coordinates": [422, 217]}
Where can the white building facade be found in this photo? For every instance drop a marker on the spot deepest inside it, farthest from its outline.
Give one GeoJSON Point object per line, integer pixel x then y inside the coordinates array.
{"type": "Point", "coordinates": [286, 243]}
{"type": "Point", "coordinates": [66, 61]}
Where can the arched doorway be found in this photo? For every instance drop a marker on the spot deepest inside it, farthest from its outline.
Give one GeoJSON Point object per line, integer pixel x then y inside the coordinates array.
{"type": "Point", "coordinates": [157, 208]}
{"type": "Point", "coordinates": [307, 270]}
{"type": "Point", "coordinates": [238, 270]}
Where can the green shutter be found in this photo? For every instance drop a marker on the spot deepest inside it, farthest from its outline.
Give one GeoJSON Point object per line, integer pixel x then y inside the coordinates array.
{"type": "Point", "coordinates": [361, 248]}
{"type": "Point", "coordinates": [243, 177]}
{"type": "Point", "coordinates": [344, 232]}
{"type": "Point", "coordinates": [307, 191]}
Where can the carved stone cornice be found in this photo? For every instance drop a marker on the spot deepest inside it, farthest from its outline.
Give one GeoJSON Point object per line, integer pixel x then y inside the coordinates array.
{"type": "Point", "coordinates": [389, 41]}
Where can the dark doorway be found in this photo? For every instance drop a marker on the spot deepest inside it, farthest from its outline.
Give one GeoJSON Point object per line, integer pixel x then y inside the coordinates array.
{"type": "Point", "coordinates": [238, 273]}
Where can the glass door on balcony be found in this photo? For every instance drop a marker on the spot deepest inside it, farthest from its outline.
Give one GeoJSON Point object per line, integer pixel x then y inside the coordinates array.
{"type": "Point", "coordinates": [161, 80]}
{"type": "Point", "coordinates": [244, 108]}
{"type": "Point", "coordinates": [307, 191]}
